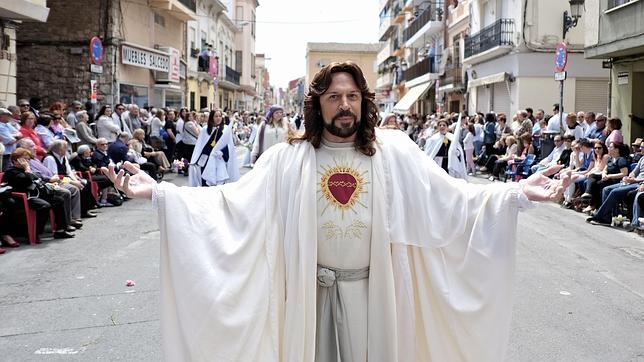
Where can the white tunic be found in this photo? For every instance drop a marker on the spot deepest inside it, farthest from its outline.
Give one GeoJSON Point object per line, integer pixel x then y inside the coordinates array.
{"type": "Point", "coordinates": [344, 200]}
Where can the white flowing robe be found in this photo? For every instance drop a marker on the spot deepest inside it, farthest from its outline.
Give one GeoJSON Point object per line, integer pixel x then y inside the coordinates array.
{"type": "Point", "coordinates": [217, 170]}
{"type": "Point", "coordinates": [238, 262]}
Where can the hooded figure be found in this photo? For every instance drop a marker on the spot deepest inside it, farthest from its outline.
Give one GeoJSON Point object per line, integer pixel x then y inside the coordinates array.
{"type": "Point", "coordinates": [274, 130]}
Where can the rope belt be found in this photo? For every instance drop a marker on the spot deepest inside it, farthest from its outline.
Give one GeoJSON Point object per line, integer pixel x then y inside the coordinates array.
{"type": "Point", "coordinates": [328, 276]}
{"type": "Point", "coordinates": [334, 336]}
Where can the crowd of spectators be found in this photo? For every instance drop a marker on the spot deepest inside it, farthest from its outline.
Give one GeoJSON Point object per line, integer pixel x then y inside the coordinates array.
{"type": "Point", "coordinates": [54, 155]}
{"type": "Point", "coordinates": [608, 174]}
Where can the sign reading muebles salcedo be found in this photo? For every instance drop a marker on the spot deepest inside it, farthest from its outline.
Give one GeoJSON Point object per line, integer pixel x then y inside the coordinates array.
{"type": "Point", "coordinates": [145, 58]}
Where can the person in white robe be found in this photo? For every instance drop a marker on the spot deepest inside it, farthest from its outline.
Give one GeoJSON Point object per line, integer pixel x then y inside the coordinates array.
{"type": "Point", "coordinates": [345, 243]}
{"type": "Point", "coordinates": [214, 159]}
{"type": "Point", "coordinates": [438, 145]}
{"type": "Point", "coordinates": [274, 130]}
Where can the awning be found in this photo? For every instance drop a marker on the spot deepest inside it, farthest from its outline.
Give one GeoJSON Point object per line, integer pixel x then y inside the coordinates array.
{"type": "Point", "coordinates": [490, 79]}
{"type": "Point", "coordinates": [411, 97]}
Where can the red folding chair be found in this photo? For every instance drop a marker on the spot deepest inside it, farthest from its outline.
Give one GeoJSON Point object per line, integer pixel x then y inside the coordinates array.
{"type": "Point", "coordinates": [30, 215]}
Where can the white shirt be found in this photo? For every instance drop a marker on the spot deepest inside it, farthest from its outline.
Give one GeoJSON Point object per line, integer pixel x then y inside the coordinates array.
{"type": "Point", "coordinates": [554, 124]}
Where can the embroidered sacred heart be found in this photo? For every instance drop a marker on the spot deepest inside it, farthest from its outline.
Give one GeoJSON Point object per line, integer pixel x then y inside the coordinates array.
{"type": "Point", "coordinates": [342, 186]}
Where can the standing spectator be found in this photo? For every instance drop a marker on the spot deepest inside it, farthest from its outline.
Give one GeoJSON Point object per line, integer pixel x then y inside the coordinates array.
{"type": "Point", "coordinates": [71, 116]}
{"type": "Point", "coordinates": [190, 134]}
{"type": "Point", "coordinates": [537, 129]}
{"type": "Point", "coordinates": [35, 105]}
{"type": "Point", "coordinates": [171, 130]}
{"type": "Point", "coordinates": [83, 130]}
{"type": "Point", "coordinates": [105, 126]}
{"type": "Point", "coordinates": [489, 134]}
{"type": "Point", "coordinates": [157, 124]}
{"type": "Point", "coordinates": [614, 132]}
{"type": "Point", "coordinates": [23, 105]}
{"type": "Point", "coordinates": [478, 135]}
{"type": "Point", "coordinates": [468, 148]}
{"type": "Point", "coordinates": [118, 120]}
{"type": "Point", "coordinates": [131, 117]}
{"type": "Point", "coordinates": [555, 123]}
{"type": "Point", "coordinates": [274, 130]}
{"type": "Point", "coordinates": [525, 124]}
{"type": "Point", "coordinates": [502, 129]}
{"type": "Point", "coordinates": [9, 136]}
{"type": "Point", "coordinates": [581, 120]}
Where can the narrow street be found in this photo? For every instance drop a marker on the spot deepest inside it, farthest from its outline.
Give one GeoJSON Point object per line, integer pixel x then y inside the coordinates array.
{"type": "Point", "coordinates": [579, 291]}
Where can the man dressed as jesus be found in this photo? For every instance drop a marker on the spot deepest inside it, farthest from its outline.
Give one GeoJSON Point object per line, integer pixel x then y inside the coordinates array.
{"type": "Point", "coordinates": [347, 243]}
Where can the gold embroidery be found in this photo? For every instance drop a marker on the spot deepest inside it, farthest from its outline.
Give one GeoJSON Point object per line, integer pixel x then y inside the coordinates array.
{"type": "Point", "coordinates": [352, 232]}
{"type": "Point", "coordinates": [332, 231]}
{"type": "Point", "coordinates": [326, 183]}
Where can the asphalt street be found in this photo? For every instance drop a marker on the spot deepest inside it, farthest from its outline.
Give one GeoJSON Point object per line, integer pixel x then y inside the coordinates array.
{"type": "Point", "coordinates": [579, 291]}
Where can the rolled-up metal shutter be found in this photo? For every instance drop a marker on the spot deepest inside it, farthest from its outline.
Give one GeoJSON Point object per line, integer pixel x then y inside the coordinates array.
{"type": "Point", "coordinates": [591, 95]}
{"type": "Point", "coordinates": [501, 99]}
{"type": "Point", "coordinates": [482, 99]}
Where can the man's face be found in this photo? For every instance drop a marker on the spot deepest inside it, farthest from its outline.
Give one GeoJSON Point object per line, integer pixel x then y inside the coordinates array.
{"type": "Point", "coordinates": [170, 116]}
{"type": "Point", "coordinates": [539, 115]}
{"type": "Point", "coordinates": [24, 106]}
{"type": "Point", "coordinates": [601, 123]}
{"type": "Point", "coordinates": [588, 118]}
{"type": "Point", "coordinates": [120, 109]}
{"type": "Point", "coordinates": [5, 118]}
{"type": "Point", "coordinates": [134, 112]}
{"type": "Point", "coordinates": [29, 145]}
{"type": "Point", "coordinates": [558, 141]}
{"type": "Point", "coordinates": [77, 108]}
{"type": "Point", "coordinates": [102, 145]}
{"type": "Point", "coordinates": [341, 106]}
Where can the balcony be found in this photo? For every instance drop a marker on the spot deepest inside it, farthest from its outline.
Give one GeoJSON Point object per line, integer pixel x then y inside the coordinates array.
{"type": "Point", "coordinates": [386, 64]}
{"type": "Point", "coordinates": [492, 41]}
{"type": "Point", "coordinates": [430, 21]}
{"type": "Point", "coordinates": [184, 10]}
{"type": "Point", "coordinates": [386, 25]}
{"type": "Point", "coordinates": [232, 75]}
{"type": "Point", "coordinates": [399, 15]}
{"type": "Point", "coordinates": [384, 81]}
{"type": "Point", "coordinates": [453, 75]}
{"type": "Point", "coordinates": [24, 10]}
{"type": "Point", "coordinates": [424, 67]}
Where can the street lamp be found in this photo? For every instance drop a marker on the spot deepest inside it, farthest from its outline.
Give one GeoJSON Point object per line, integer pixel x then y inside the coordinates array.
{"type": "Point", "coordinates": [570, 21]}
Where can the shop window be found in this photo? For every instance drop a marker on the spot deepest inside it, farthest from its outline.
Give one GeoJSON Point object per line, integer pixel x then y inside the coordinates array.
{"type": "Point", "coordinates": [129, 94]}
{"type": "Point", "coordinates": [173, 99]}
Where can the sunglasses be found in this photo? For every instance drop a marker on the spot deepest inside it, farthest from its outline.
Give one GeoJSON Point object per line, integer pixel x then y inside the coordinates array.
{"type": "Point", "coordinates": [599, 148]}
{"type": "Point", "coordinates": [24, 105]}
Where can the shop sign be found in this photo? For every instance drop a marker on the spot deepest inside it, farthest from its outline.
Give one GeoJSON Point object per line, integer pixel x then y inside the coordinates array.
{"type": "Point", "coordinates": [622, 78]}
{"type": "Point", "coordinates": [148, 59]}
{"type": "Point", "coordinates": [174, 74]}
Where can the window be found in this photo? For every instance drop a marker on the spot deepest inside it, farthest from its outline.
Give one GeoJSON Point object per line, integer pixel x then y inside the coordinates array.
{"type": "Point", "coordinates": [238, 61]}
{"type": "Point", "coordinates": [252, 24]}
{"type": "Point", "coordinates": [239, 14]}
{"type": "Point", "coordinates": [173, 99]}
{"type": "Point", "coordinates": [252, 65]}
{"type": "Point", "coordinates": [159, 20]}
{"type": "Point", "coordinates": [616, 3]}
{"type": "Point", "coordinates": [192, 100]}
{"type": "Point", "coordinates": [193, 37]}
{"type": "Point", "coordinates": [129, 94]}
{"type": "Point", "coordinates": [204, 39]}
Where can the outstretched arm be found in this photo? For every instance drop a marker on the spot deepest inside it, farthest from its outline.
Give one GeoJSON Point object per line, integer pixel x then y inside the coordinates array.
{"type": "Point", "coordinates": [135, 183]}
{"type": "Point", "coordinates": [540, 187]}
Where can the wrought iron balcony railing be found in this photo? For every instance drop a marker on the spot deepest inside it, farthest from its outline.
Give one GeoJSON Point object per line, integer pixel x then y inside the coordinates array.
{"type": "Point", "coordinates": [427, 65]}
{"type": "Point", "coordinates": [501, 32]}
{"type": "Point", "coordinates": [232, 75]}
{"type": "Point", "coordinates": [434, 12]}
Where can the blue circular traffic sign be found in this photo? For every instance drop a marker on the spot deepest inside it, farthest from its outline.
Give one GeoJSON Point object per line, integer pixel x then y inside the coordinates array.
{"type": "Point", "coordinates": [561, 57]}
{"type": "Point", "coordinates": [96, 50]}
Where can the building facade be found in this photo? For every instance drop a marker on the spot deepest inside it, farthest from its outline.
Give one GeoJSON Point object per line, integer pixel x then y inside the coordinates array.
{"type": "Point", "coordinates": [143, 52]}
{"type": "Point", "coordinates": [615, 32]}
{"type": "Point", "coordinates": [509, 56]}
{"type": "Point", "coordinates": [14, 14]}
{"type": "Point", "coordinates": [245, 53]}
{"type": "Point", "coordinates": [320, 54]}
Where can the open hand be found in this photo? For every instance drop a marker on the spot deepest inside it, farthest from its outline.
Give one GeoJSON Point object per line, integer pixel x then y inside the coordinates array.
{"type": "Point", "coordinates": [539, 187]}
{"type": "Point", "coordinates": [137, 184]}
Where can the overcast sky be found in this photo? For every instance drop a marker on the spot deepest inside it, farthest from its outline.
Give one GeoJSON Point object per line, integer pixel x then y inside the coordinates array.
{"type": "Point", "coordinates": [285, 26]}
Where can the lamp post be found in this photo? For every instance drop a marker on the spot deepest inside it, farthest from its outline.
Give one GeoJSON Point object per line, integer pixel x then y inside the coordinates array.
{"type": "Point", "coordinates": [570, 20]}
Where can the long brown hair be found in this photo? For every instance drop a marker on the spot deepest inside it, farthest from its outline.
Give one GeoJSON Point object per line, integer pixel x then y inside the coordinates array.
{"type": "Point", "coordinates": [313, 122]}
{"type": "Point", "coordinates": [211, 119]}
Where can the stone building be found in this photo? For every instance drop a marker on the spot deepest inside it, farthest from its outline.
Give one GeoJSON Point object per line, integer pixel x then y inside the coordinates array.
{"type": "Point", "coordinates": [12, 12]}
{"type": "Point", "coordinates": [143, 58]}
{"type": "Point", "coordinates": [320, 54]}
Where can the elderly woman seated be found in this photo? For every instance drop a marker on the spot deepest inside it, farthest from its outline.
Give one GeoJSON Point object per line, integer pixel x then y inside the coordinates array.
{"type": "Point", "coordinates": [83, 162]}
{"type": "Point", "coordinates": [41, 199]}
{"type": "Point", "coordinates": [157, 157]}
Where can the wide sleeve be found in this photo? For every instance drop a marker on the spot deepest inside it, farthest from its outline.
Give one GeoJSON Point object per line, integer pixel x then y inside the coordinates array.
{"type": "Point", "coordinates": [216, 274]}
{"type": "Point", "coordinates": [431, 208]}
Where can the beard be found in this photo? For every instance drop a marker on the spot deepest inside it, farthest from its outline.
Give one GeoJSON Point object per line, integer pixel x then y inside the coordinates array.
{"type": "Point", "coordinates": [342, 132]}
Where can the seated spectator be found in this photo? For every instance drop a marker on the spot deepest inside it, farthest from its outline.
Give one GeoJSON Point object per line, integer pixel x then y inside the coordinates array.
{"type": "Point", "coordinates": [8, 136]}
{"type": "Point", "coordinates": [502, 162]}
{"type": "Point", "coordinates": [613, 194]}
{"type": "Point", "coordinates": [488, 160]}
{"type": "Point", "coordinates": [573, 128]}
{"type": "Point", "coordinates": [56, 161]}
{"type": "Point", "coordinates": [43, 131]}
{"type": "Point", "coordinates": [83, 162]}
{"type": "Point", "coordinates": [66, 190]}
{"type": "Point", "coordinates": [72, 115]}
{"type": "Point", "coordinates": [614, 132]}
{"type": "Point", "coordinates": [105, 126]}
{"type": "Point", "coordinates": [552, 158]}
{"type": "Point", "coordinates": [135, 156]}
{"type": "Point", "coordinates": [27, 124]}
{"type": "Point", "coordinates": [100, 158]}
{"type": "Point", "coordinates": [564, 158]}
{"type": "Point", "coordinates": [20, 177]}
{"type": "Point", "coordinates": [157, 157]}
{"type": "Point", "coordinates": [83, 130]}
{"type": "Point", "coordinates": [119, 148]}
{"type": "Point", "coordinates": [616, 168]}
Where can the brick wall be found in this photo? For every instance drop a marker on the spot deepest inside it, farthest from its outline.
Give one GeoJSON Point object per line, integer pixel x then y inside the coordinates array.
{"type": "Point", "coordinates": [53, 57]}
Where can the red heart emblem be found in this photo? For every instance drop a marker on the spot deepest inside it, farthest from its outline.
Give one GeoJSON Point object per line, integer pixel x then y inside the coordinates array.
{"type": "Point", "coordinates": [342, 186]}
